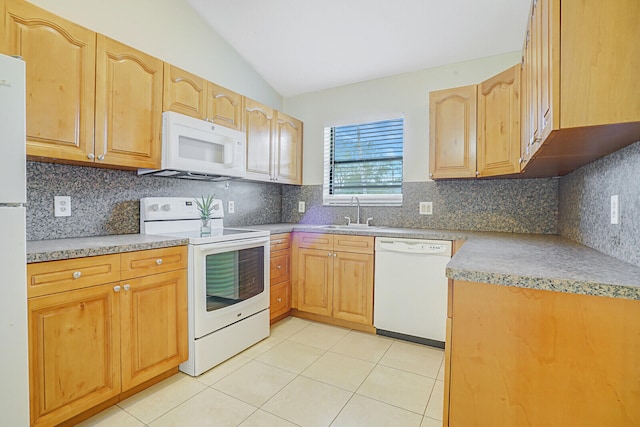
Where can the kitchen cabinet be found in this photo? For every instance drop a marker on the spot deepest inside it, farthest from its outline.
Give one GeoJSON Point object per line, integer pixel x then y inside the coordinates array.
{"type": "Point", "coordinates": [280, 290]}
{"type": "Point", "coordinates": [333, 277]}
{"type": "Point", "coordinates": [584, 101]}
{"type": "Point", "coordinates": [194, 96]}
{"type": "Point", "coordinates": [103, 325]}
{"type": "Point", "coordinates": [128, 106]}
{"type": "Point", "coordinates": [499, 124]}
{"type": "Point", "coordinates": [60, 62]}
{"type": "Point", "coordinates": [274, 145]}
{"type": "Point", "coordinates": [90, 100]}
{"type": "Point", "coordinates": [511, 352]}
{"type": "Point", "coordinates": [475, 130]}
{"type": "Point", "coordinates": [452, 132]}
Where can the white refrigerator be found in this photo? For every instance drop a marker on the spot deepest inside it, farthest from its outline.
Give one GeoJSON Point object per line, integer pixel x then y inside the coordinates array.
{"type": "Point", "coordinates": [14, 354]}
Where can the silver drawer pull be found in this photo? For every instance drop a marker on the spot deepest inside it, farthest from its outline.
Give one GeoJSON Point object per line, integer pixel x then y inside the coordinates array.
{"type": "Point", "coordinates": [159, 261]}
{"type": "Point", "coordinates": [127, 287]}
{"type": "Point", "coordinates": [77, 274]}
{"type": "Point", "coordinates": [278, 266]}
{"type": "Point", "coordinates": [116, 288]}
{"type": "Point", "coordinates": [279, 300]}
{"type": "Point", "coordinates": [329, 254]}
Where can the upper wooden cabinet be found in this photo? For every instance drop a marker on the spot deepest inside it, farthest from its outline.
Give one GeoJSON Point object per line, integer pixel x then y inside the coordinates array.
{"type": "Point", "coordinates": [225, 107]}
{"type": "Point", "coordinates": [60, 63]}
{"type": "Point", "coordinates": [128, 106]}
{"type": "Point", "coordinates": [189, 94]}
{"type": "Point", "coordinates": [184, 93]}
{"type": "Point", "coordinates": [580, 67]}
{"type": "Point", "coordinates": [274, 145]}
{"type": "Point", "coordinates": [287, 149]}
{"type": "Point", "coordinates": [499, 124]}
{"type": "Point", "coordinates": [452, 132]}
{"type": "Point", "coordinates": [90, 100]}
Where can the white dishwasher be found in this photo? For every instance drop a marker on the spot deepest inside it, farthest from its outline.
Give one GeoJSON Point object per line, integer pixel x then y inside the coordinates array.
{"type": "Point", "coordinates": [411, 289]}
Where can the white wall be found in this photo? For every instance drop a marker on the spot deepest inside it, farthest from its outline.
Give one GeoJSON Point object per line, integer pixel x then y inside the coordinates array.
{"type": "Point", "coordinates": [371, 100]}
{"type": "Point", "coordinates": [172, 31]}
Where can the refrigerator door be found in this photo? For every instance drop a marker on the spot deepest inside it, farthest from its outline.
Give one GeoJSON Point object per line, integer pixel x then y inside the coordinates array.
{"type": "Point", "coordinates": [14, 367]}
{"type": "Point", "coordinates": [12, 131]}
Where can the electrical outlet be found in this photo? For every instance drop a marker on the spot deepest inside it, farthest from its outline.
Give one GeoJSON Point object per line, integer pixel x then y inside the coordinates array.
{"type": "Point", "coordinates": [62, 205]}
{"type": "Point", "coordinates": [231, 207]}
{"type": "Point", "coordinates": [615, 209]}
{"type": "Point", "coordinates": [301, 207]}
{"type": "Point", "coordinates": [426, 208]}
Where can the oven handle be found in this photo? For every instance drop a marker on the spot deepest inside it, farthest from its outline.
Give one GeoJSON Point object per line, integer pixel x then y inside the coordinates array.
{"type": "Point", "coordinates": [232, 245]}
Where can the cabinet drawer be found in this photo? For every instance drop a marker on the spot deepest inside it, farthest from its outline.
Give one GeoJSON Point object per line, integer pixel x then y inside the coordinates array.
{"type": "Point", "coordinates": [153, 261]}
{"type": "Point", "coordinates": [279, 266]}
{"type": "Point", "coordinates": [58, 276]}
{"type": "Point", "coordinates": [357, 244]}
{"type": "Point", "coordinates": [314, 240]}
{"type": "Point", "coordinates": [280, 299]}
{"type": "Point", "coordinates": [280, 241]}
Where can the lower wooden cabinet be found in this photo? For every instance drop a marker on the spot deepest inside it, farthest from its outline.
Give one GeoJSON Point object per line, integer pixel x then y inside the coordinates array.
{"type": "Point", "coordinates": [333, 277]}
{"type": "Point", "coordinates": [280, 291]}
{"type": "Point", "coordinates": [527, 357]}
{"type": "Point", "coordinates": [90, 343]}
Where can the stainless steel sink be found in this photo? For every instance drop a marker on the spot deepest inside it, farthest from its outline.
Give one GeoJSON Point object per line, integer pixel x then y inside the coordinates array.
{"type": "Point", "coordinates": [349, 227]}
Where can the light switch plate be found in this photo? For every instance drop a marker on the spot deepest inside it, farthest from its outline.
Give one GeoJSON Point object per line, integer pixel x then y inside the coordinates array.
{"type": "Point", "coordinates": [231, 207]}
{"type": "Point", "coordinates": [62, 205]}
{"type": "Point", "coordinates": [301, 206]}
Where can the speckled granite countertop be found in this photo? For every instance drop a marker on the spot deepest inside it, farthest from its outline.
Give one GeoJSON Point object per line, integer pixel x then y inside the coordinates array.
{"type": "Point", "coordinates": [545, 262]}
{"type": "Point", "coordinates": [51, 250]}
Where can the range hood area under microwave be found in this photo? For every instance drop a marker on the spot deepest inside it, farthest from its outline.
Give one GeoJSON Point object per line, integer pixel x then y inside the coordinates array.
{"type": "Point", "coordinates": [198, 149]}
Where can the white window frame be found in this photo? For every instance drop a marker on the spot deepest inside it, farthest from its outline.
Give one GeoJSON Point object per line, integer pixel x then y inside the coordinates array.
{"type": "Point", "coordinates": [364, 199]}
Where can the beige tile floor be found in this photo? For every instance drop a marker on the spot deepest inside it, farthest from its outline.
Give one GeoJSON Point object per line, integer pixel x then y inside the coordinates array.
{"type": "Point", "coordinates": [304, 374]}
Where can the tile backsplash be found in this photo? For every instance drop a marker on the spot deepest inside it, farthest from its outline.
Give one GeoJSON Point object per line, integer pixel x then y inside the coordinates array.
{"type": "Point", "coordinates": [106, 201]}
{"type": "Point", "coordinates": [508, 205]}
{"type": "Point", "coordinates": [584, 200]}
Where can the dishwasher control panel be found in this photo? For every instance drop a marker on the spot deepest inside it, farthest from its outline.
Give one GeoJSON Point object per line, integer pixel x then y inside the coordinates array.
{"type": "Point", "coordinates": [414, 246]}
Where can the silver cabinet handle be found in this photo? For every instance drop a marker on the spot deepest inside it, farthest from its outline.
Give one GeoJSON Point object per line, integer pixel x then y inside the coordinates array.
{"type": "Point", "coordinates": [159, 261]}
{"type": "Point", "coordinates": [335, 254]}
{"type": "Point", "coordinates": [116, 288]}
{"type": "Point", "coordinates": [329, 254]}
{"type": "Point", "coordinates": [279, 300]}
{"type": "Point", "coordinates": [278, 266]}
{"type": "Point", "coordinates": [127, 287]}
{"type": "Point", "coordinates": [101, 157]}
{"type": "Point", "coordinates": [90, 156]}
{"type": "Point", "coordinates": [77, 274]}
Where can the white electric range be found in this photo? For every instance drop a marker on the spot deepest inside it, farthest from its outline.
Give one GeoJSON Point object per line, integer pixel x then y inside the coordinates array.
{"type": "Point", "coordinates": [228, 279]}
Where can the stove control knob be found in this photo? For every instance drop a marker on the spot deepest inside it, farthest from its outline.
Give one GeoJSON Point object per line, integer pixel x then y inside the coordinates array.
{"type": "Point", "coordinates": [154, 207]}
{"type": "Point", "coordinates": [215, 207]}
{"type": "Point", "coordinates": [166, 207]}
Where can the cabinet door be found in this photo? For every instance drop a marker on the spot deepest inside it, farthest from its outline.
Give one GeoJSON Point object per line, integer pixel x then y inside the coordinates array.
{"type": "Point", "coordinates": [184, 93]}
{"type": "Point", "coordinates": [353, 287]}
{"type": "Point", "coordinates": [153, 326]}
{"type": "Point", "coordinates": [60, 62]}
{"type": "Point", "coordinates": [288, 150]}
{"type": "Point", "coordinates": [259, 127]}
{"type": "Point", "coordinates": [74, 352]}
{"type": "Point", "coordinates": [452, 132]}
{"type": "Point", "coordinates": [314, 281]}
{"type": "Point", "coordinates": [225, 107]}
{"type": "Point", "coordinates": [128, 106]}
{"type": "Point", "coordinates": [499, 124]}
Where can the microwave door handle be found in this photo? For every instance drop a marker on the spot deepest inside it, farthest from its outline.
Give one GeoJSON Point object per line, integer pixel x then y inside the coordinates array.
{"type": "Point", "coordinates": [228, 154]}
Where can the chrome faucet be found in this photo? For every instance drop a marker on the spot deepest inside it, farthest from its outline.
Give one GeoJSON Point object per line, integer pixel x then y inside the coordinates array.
{"type": "Point", "coordinates": [358, 212]}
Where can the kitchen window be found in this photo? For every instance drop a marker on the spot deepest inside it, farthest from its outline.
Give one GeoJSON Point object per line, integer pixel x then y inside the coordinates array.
{"type": "Point", "coordinates": [364, 160]}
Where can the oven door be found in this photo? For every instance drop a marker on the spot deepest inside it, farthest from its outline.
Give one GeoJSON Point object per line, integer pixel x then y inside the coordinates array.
{"type": "Point", "coordinates": [229, 282]}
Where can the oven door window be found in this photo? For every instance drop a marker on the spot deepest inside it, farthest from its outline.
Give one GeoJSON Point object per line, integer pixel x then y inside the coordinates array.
{"type": "Point", "coordinates": [234, 276]}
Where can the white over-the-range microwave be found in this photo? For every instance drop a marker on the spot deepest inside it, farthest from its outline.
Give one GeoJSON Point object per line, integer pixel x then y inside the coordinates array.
{"type": "Point", "coordinates": [198, 149]}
